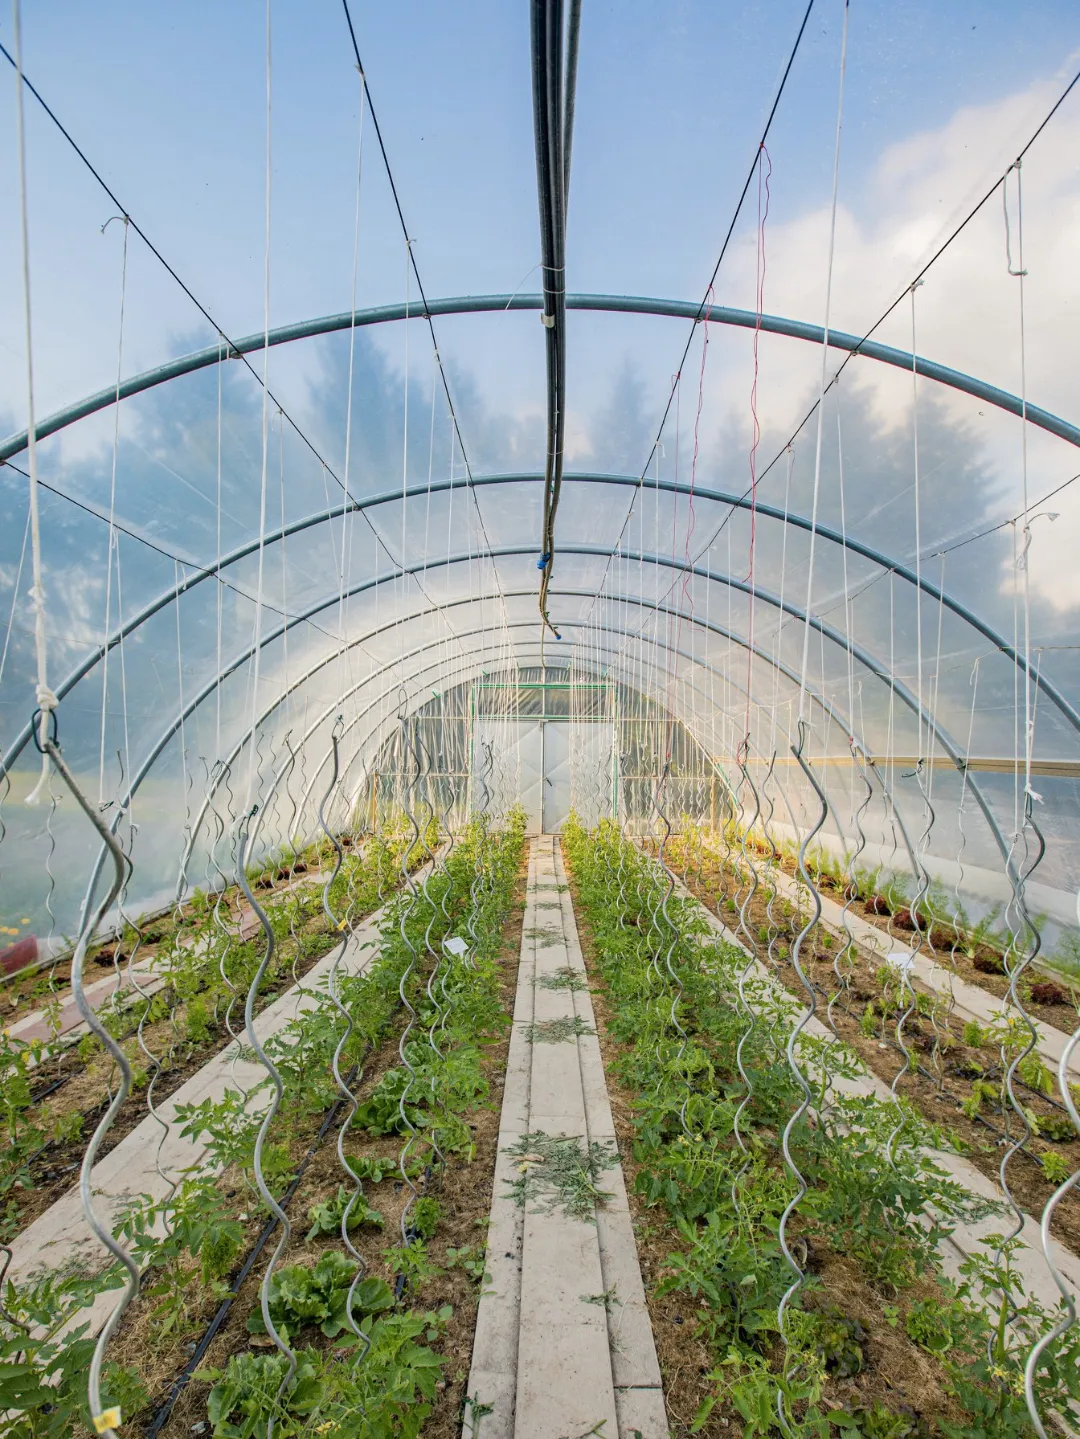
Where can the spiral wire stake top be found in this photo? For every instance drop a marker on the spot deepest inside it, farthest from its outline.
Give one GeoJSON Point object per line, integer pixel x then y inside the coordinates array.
{"type": "Point", "coordinates": [105, 1421]}
{"type": "Point", "coordinates": [406, 912]}
{"type": "Point", "coordinates": [153, 1060]}
{"type": "Point", "coordinates": [1019, 877]}
{"type": "Point", "coordinates": [268, 1118]}
{"type": "Point", "coordinates": [793, 1065]}
{"type": "Point", "coordinates": [334, 991]}
{"type": "Point", "coordinates": [671, 937]}
{"type": "Point", "coordinates": [770, 863]}
{"type": "Point", "coordinates": [848, 953]}
{"type": "Point", "coordinates": [1068, 1298]}
{"type": "Point", "coordinates": [433, 866]}
{"type": "Point", "coordinates": [907, 992]}
{"type": "Point", "coordinates": [744, 972]}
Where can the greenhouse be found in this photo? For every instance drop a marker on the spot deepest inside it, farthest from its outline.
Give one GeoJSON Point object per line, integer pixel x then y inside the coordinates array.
{"type": "Point", "coordinates": [540, 720]}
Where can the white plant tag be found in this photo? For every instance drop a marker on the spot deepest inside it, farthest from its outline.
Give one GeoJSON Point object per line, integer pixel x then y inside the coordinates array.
{"type": "Point", "coordinates": [901, 959]}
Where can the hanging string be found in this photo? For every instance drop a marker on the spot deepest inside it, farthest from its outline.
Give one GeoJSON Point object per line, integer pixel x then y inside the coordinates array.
{"type": "Point", "coordinates": [918, 531]}
{"type": "Point", "coordinates": [15, 591]}
{"type": "Point", "coordinates": [256, 658]}
{"type": "Point", "coordinates": [113, 542]}
{"type": "Point", "coordinates": [46, 700]}
{"type": "Point", "coordinates": [217, 564]}
{"type": "Point", "coordinates": [759, 305]}
{"type": "Point", "coordinates": [1020, 273]}
{"type": "Point", "coordinates": [824, 368]}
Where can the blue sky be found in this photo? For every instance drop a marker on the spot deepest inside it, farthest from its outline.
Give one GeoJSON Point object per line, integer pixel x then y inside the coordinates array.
{"type": "Point", "coordinates": [169, 101]}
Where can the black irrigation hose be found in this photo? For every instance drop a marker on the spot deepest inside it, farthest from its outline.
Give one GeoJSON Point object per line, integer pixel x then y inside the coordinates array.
{"type": "Point", "coordinates": [51, 1088]}
{"type": "Point", "coordinates": [161, 1418]}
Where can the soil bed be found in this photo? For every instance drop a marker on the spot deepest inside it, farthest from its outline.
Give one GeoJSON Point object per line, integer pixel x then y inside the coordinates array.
{"type": "Point", "coordinates": [940, 1094]}
{"type": "Point", "coordinates": [685, 1360]}
{"type": "Point", "coordinates": [463, 1191]}
{"type": "Point", "coordinates": [53, 1169]}
{"type": "Point", "coordinates": [967, 966]}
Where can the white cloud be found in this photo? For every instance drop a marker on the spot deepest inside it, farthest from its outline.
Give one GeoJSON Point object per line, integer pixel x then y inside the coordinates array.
{"type": "Point", "coordinates": [967, 313]}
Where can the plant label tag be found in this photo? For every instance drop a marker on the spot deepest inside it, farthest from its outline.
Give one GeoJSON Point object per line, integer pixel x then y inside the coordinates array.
{"type": "Point", "coordinates": [901, 959]}
{"type": "Point", "coordinates": [455, 945]}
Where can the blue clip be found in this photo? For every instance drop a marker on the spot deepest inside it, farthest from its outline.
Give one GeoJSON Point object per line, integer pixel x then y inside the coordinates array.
{"type": "Point", "coordinates": [543, 562]}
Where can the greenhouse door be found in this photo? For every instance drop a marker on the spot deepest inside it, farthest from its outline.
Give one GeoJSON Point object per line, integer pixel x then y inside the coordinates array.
{"type": "Point", "coordinates": [533, 761]}
{"type": "Point", "coordinates": [577, 772]}
{"type": "Point", "coordinates": [515, 773]}
{"type": "Point", "coordinates": [557, 798]}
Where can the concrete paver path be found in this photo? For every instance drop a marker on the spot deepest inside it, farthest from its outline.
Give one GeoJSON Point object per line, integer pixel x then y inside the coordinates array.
{"type": "Point", "coordinates": [563, 1345]}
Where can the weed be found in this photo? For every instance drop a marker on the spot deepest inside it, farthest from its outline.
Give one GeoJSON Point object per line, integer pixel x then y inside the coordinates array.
{"type": "Point", "coordinates": [974, 1034]}
{"type": "Point", "coordinates": [472, 1261]}
{"type": "Point", "coordinates": [565, 978]}
{"type": "Point", "coordinates": [556, 1031]}
{"type": "Point", "coordinates": [1055, 1167]}
{"type": "Point", "coordinates": [561, 1172]}
{"type": "Point", "coordinates": [545, 938]}
{"type": "Point", "coordinates": [607, 1300]}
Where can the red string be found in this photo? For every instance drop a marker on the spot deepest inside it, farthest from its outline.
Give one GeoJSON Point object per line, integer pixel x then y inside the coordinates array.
{"type": "Point", "coordinates": [759, 301]}
{"type": "Point", "coordinates": [686, 608]}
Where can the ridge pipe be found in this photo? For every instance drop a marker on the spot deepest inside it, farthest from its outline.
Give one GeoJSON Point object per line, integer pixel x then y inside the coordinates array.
{"type": "Point", "coordinates": [351, 506]}
{"type": "Point", "coordinates": [481, 304]}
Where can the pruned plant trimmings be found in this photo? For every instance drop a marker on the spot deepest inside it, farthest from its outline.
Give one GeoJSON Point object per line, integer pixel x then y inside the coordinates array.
{"type": "Point", "coordinates": [565, 978]}
{"type": "Point", "coordinates": [557, 1031]}
{"type": "Point", "coordinates": [561, 1172]}
{"type": "Point", "coordinates": [545, 938]}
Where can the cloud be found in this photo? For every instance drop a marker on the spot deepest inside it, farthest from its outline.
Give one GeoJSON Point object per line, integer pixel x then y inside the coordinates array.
{"type": "Point", "coordinates": [967, 313]}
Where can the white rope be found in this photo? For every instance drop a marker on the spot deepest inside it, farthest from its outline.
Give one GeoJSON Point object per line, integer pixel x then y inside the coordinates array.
{"type": "Point", "coordinates": [918, 532]}
{"type": "Point", "coordinates": [217, 566]}
{"type": "Point", "coordinates": [265, 431]}
{"type": "Point", "coordinates": [114, 539]}
{"type": "Point", "coordinates": [1020, 272]}
{"type": "Point", "coordinates": [46, 700]}
{"type": "Point", "coordinates": [824, 371]}
{"type": "Point", "coordinates": [15, 596]}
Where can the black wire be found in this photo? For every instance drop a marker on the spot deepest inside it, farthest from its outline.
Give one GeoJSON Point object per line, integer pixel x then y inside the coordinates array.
{"type": "Point", "coordinates": [420, 286]}
{"type": "Point", "coordinates": [907, 290]}
{"type": "Point", "coordinates": [191, 565]}
{"type": "Point", "coordinates": [852, 353]}
{"type": "Point", "coordinates": [232, 352]}
{"type": "Point", "coordinates": [959, 545]}
{"type": "Point", "coordinates": [705, 303]}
